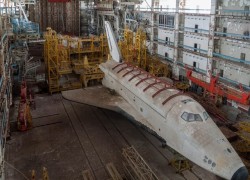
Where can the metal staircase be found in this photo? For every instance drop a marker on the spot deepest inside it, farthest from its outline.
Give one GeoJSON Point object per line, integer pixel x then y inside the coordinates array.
{"type": "Point", "coordinates": [29, 69]}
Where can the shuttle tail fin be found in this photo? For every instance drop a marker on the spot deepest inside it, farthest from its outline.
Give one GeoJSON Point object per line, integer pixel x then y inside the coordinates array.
{"type": "Point", "coordinates": [113, 46]}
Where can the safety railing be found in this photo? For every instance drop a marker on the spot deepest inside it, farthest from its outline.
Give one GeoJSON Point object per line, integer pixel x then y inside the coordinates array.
{"type": "Point", "coordinates": [233, 82]}
{"type": "Point", "coordinates": [230, 58]}
{"type": "Point", "coordinates": [166, 58]}
{"type": "Point", "coordinates": [165, 26]}
{"type": "Point", "coordinates": [194, 30]}
{"type": "Point", "coordinates": [164, 42]}
{"type": "Point", "coordinates": [233, 12]}
{"type": "Point", "coordinates": [173, 10]}
{"type": "Point", "coordinates": [232, 35]}
{"type": "Point", "coordinates": [198, 50]}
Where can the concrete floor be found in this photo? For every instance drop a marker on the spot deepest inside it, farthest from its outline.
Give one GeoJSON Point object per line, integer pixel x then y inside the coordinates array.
{"type": "Point", "coordinates": [70, 137]}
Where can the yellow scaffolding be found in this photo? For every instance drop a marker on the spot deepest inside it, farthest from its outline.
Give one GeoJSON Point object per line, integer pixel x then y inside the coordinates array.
{"type": "Point", "coordinates": [244, 132]}
{"type": "Point", "coordinates": [104, 47]}
{"type": "Point", "coordinates": [141, 49]}
{"type": "Point", "coordinates": [127, 46]}
{"type": "Point", "coordinates": [133, 48]}
{"type": "Point", "coordinates": [66, 59]}
{"type": "Point", "coordinates": [90, 72]}
{"type": "Point", "coordinates": [157, 68]}
{"type": "Point", "coordinates": [51, 59]}
{"type": "Point", "coordinates": [63, 55]}
{"type": "Point", "coordinates": [64, 63]}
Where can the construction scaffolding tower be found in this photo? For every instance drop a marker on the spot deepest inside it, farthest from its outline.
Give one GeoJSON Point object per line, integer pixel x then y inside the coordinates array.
{"type": "Point", "coordinates": [5, 92]}
{"type": "Point", "coordinates": [141, 49]}
{"type": "Point", "coordinates": [133, 47]}
{"type": "Point", "coordinates": [72, 61]}
{"type": "Point", "coordinates": [127, 46]}
{"type": "Point", "coordinates": [134, 51]}
{"type": "Point", "coordinates": [51, 59]}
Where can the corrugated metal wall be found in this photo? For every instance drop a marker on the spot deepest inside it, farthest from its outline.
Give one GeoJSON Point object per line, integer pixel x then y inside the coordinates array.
{"type": "Point", "coordinates": [62, 17]}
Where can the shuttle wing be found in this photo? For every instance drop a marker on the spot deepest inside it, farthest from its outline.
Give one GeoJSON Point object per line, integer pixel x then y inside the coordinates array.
{"type": "Point", "coordinates": [106, 100]}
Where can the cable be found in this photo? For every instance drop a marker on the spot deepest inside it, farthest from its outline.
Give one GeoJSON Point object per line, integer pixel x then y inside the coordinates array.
{"type": "Point", "coordinates": [25, 177]}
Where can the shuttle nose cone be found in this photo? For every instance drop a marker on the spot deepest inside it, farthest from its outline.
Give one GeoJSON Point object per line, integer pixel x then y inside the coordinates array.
{"type": "Point", "coordinates": [241, 174]}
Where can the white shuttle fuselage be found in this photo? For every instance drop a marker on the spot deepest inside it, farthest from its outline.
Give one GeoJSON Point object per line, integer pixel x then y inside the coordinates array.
{"type": "Point", "coordinates": [177, 118]}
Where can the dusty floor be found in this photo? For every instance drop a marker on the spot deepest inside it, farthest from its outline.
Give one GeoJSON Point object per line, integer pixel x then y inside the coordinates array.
{"type": "Point", "coordinates": [70, 137]}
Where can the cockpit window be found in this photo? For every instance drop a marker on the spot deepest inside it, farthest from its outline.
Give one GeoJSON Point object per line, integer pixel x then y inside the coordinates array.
{"type": "Point", "coordinates": [198, 117]}
{"type": "Point", "coordinates": [190, 117]}
{"type": "Point", "coordinates": [205, 115]}
{"type": "Point", "coordinates": [185, 116]}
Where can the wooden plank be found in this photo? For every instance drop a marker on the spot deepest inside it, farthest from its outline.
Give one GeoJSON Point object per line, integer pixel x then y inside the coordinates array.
{"type": "Point", "coordinates": [115, 175]}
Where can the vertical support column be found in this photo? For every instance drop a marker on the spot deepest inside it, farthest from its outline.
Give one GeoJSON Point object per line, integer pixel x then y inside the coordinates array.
{"type": "Point", "coordinates": [103, 20]}
{"type": "Point", "coordinates": [176, 42]}
{"type": "Point", "coordinates": [49, 15]}
{"type": "Point", "coordinates": [41, 15]}
{"type": "Point", "coordinates": [125, 19]}
{"type": "Point", "coordinates": [209, 69]}
{"type": "Point", "coordinates": [98, 23]}
{"type": "Point", "coordinates": [77, 19]}
{"type": "Point", "coordinates": [1, 28]}
{"type": "Point", "coordinates": [117, 23]}
{"type": "Point", "coordinates": [4, 64]}
{"type": "Point", "coordinates": [69, 17]}
{"type": "Point", "coordinates": [152, 26]}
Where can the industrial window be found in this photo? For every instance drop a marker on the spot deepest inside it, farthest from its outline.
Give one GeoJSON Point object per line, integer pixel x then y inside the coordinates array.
{"type": "Point", "coordinates": [196, 28]}
{"type": "Point", "coordinates": [224, 31]}
{"type": "Point", "coordinates": [221, 73]}
{"type": "Point", "coordinates": [190, 117]}
{"type": "Point", "coordinates": [170, 21]}
{"type": "Point", "coordinates": [167, 40]}
{"type": "Point", "coordinates": [195, 47]}
{"type": "Point", "coordinates": [246, 34]}
{"type": "Point", "coordinates": [166, 55]}
{"type": "Point", "coordinates": [165, 20]}
{"type": "Point", "coordinates": [194, 64]}
{"type": "Point", "coordinates": [161, 20]}
{"type": "Point", "coordinates": [246, 9]}
{"type": "Point", "coordinates": [243, 56]}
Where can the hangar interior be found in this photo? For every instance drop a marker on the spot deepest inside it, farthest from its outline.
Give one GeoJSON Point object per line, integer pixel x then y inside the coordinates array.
{"type": "Point", "coordinates": [61, 119]}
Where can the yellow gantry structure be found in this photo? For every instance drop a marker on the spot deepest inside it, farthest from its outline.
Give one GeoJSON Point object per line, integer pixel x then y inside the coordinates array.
{"type": "Point", "coordinates": [51, 59]}
{"type": "Point", "coordinates": [141, 49]}
{"type": "Point", "coordinates": [133, 47]}
{"type": "Point", "coordinates": [68, 60]}
{"type": "Point", "coordinates": [134, 50]}
{"type": "Point", "coordinates": [244, 133]}
{"type": "Point", "coordinates": [64, 65]}
{"type": "Point", "coordinates": [157, 67]}
{"type": "Point", "coordinates": [127, 46]}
